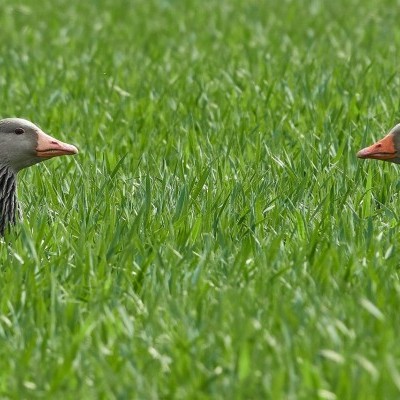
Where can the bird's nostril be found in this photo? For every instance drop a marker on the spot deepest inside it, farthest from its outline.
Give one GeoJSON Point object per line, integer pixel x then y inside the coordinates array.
{"type": "Point", "coordinates": [54, 142]}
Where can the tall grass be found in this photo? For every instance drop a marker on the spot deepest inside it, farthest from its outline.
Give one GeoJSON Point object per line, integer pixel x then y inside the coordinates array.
{"type": "Point", "coordinates": [216, 236]}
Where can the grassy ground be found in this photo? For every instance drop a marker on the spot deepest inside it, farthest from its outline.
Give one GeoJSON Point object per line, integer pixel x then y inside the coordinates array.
{"type": "Point", "coordinates": [216, 237]}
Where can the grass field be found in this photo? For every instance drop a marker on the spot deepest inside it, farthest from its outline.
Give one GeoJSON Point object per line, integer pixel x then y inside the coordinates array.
{"type": "Point", "coordinates": [216, 237]}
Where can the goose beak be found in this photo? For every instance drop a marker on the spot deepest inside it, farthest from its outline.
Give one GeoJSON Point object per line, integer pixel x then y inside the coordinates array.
{"type": "Point", "coordinates": [382, 150]}
{"type": "Point", "coordinates": [48, 147]}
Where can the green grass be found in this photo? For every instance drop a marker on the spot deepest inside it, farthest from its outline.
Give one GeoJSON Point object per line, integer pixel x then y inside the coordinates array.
{"type": "Point", "coordinates": [216, 237]}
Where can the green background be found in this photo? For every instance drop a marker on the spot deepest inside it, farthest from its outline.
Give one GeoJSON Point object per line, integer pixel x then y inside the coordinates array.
{"type": "Point", "coordinates": [216, 237]}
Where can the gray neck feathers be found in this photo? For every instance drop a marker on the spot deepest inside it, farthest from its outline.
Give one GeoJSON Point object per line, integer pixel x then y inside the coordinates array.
{"type": "Point", "coordinates": [8, 197]}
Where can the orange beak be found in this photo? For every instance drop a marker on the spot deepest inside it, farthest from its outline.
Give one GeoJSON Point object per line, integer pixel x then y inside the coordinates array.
{"type": "Point", "coordinates": [48, 147]}
{"type": "Point", "coordinates": [382, 150]}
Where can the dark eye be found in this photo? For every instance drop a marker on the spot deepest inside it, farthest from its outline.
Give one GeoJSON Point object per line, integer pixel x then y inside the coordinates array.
{"type": "Point", "coordinates": [19, 131]}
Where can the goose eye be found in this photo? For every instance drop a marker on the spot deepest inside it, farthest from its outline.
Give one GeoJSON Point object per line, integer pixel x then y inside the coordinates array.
{"type": "Point", "coordinates": [19, 131]}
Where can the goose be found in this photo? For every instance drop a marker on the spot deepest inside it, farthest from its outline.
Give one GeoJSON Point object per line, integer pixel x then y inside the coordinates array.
{"type": "Point", "coordinates": [22, 144]}
{"type": "Point", "coordinates": [386, 149]}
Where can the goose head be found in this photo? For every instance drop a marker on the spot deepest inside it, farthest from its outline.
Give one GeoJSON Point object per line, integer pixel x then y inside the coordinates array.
{"type": "Point", "coordinates": [386, 149]}
{"type": "Point", "coordinates": [23, 144]}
